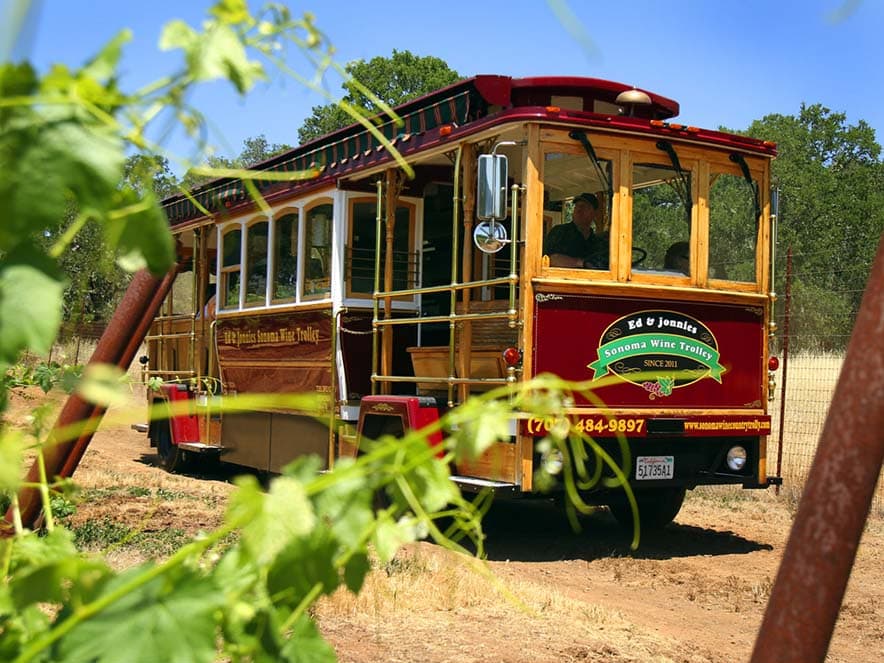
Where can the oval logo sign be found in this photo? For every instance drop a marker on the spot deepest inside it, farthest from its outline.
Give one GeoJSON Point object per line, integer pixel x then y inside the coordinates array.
{"type": "Point", "coordinates": [658, 351]}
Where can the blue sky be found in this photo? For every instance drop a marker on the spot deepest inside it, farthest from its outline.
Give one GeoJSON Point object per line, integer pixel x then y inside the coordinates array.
{"type": "Point", "coordinates": [726, 63]}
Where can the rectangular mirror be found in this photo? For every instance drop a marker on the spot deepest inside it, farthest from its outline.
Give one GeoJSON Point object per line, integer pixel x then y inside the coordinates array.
{"type": "Point", "coordinates": [491, 194]}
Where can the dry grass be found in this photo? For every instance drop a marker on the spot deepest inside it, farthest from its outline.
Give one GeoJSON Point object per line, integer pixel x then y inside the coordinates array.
{"type": "Point", "coordinates": [460, 609]}
{"type": "Point", "coordinates": [810, 384]}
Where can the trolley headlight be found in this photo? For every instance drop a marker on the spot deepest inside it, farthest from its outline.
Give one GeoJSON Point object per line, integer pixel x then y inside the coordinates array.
{"type": "Point", "coordinates": [552, 461]}
{"type": "Point", "coordinates": [736, 458]}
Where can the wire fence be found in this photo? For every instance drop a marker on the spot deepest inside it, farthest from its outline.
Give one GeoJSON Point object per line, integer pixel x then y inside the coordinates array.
{"type": "Point", "coordinates": [812, 338]}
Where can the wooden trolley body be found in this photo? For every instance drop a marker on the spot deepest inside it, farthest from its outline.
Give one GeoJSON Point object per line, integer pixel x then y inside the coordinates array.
{"type": "Point", "coordinates": [364, 285]}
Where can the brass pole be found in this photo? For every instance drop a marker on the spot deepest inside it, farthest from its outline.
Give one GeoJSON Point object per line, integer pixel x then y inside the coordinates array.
{"type": "Point", "coordinates": [455, 231]}
{"type": "Point", "coordinates": [469, 212]}
{"type": "Point", "coordinates": [391, 199]}
{"type": "Point", "coordinates": [377, 285]}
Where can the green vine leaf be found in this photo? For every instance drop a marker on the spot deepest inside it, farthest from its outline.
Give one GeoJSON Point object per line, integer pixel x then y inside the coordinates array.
{"type": "Point", "coordinates": [305, 562]}
{"type": "Point", "coordinates": [140, 234]}
{"type": "Point", "coordinates": [31, 289]}
{"type": "Point", "coordinates": [306, 645]}
{"type": "Point", "coordinates": [355, 571]}
{"type": "Point", "coordinates": [282, 514]}
{"type": "Point", "coordinates": [11, 447]}
{"type": "Point", "coordinates": [171, 618]}
{"type": "Point", "coordinates": [104, 384]}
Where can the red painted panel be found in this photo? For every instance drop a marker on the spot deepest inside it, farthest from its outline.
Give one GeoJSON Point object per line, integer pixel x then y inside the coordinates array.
{"type": "Point", "coordinates": [185, 427]}
{"type": "Point", "coordinates": [408, 408]}
{"type": "Point", "coordinates": [657, 353]}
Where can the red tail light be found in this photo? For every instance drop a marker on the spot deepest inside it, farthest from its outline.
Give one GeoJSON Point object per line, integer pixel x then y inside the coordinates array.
{"type": "Point", "coordinates": [512, 356]}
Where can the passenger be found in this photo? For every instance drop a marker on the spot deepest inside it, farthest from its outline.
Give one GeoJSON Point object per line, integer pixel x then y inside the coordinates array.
{"type": "Point", "coordinates": [583, 242]}
{"type": "Point", "coordinates": [678, 258]}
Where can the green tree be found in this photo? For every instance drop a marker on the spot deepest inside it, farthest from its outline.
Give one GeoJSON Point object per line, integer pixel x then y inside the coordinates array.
{"type": "Point", "coordinates": [95, 279]}
{"type": "Point", "coordinates": [399, 78]}
{"type": "Point", "coordinates": [254, 150]}
{"type": "Point", "coordinates": [831, 180]}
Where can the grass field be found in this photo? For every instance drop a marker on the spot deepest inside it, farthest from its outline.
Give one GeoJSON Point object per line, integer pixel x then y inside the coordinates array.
{"type": "Point", "coordinates": [810, 384]}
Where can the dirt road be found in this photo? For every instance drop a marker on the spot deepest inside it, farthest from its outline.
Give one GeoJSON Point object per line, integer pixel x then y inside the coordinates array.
{"type": "Point", "coordinates": [697, 592]}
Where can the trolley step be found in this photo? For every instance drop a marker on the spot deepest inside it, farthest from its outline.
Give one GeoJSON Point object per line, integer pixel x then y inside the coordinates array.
{"type": "Point", "coordinates": [200, 448]}
{"type": "Point", "coordinates": [473, 484]}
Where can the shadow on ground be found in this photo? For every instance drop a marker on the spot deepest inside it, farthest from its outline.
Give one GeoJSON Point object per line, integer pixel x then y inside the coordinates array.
{"type": "Point", "coordinates": [538, 531]}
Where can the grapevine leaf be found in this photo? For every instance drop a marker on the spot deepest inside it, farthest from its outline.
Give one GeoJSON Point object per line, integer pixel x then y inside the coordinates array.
{"type": "Point", "coordinates": [11, 446]}
{"type": "Point", "coordinates": [28, 201]}
{"type": "Point", "coordinates": [285, 513]}
{"type": "Point", "coordinates": [232, 11]}
{"type": "Point", "coordinates": [177, 34]}
{"type": "Point", "coordinates": [32, 551]}
{"type": "Point", "coordinates": [17, 80]}
{"type": "Point", "coordinates": [302, 564]}
{"type": "Point", "coordinates": [170, 619]}
{"type": "Point", "coordinates": [389, 536]}
{"type": "Point", "coordinates": [355, 571]}
{"type": "Point", "coordinates": [141, 237]}
{"type": "Point", "coordinates": [104, 65]}
{"type": "Point", "coordinates": [346, 505]}
{"type": "Point", "coordinates": [487, 425]}
{"type": "Point", "coordinates": [219, 53]}
{"type": "Point", "coordinates": [104, 384]}
{"type": "Point", "coordinates": [236, 571]}
{"type": "Point", "coordinates": [89, 156]}
{"type": "Point", "coordinates": [30, 302]}
{"type": "Point", "coordinates": [50, 583]}
{"type": "Point", "coordinates": [19, 629]}
{"type": "Point", "coordinates": [428, 478]}
{"type": "Point", "coordinates": [306, 645]}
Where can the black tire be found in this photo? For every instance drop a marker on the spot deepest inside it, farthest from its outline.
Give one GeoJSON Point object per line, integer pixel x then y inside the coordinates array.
{"type": "Point", "coordinates": [172, 457]}
{"type": "Point", "coordinates": [656, 508]}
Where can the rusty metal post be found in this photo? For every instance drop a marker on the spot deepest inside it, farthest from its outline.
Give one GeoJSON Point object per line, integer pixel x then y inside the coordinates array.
{"type": "Point", "coordinates": [787, 315]}
{"type": "Point", "coordinates": [118, 345]}
{"type": "Point", "coordinates": [813, 575]}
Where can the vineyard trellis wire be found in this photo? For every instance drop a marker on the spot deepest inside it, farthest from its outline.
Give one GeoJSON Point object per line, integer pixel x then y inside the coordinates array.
{"type": "Point", "coordinates": [813, 332]}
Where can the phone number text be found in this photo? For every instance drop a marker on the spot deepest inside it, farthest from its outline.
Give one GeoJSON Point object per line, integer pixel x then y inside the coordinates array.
{"type": "Point", "coordinates": [586, 426]}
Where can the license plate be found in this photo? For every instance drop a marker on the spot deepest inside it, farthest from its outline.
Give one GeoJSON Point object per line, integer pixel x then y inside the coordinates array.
{"type": "Point", "coordinates": [654, 467]}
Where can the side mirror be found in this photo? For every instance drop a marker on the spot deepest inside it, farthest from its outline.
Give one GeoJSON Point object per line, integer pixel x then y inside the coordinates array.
{"type": "Point", "coordinates": [491, 194]}
{"type": "Point", "coordinates": [490, 237]}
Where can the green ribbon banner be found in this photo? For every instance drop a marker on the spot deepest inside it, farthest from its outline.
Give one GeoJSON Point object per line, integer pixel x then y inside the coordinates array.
{"type": "Point", "coordinates": [657, 344]}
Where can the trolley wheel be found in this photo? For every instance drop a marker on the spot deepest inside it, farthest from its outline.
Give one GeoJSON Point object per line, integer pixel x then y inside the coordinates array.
{"type": "Point", "coordinates": [172, 457]}
{"type": "Point", "coordinates": [657, 507]}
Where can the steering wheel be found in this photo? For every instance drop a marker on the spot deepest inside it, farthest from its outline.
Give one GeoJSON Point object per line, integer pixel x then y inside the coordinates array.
{"type": "Point", "coordinates": [638, 256]}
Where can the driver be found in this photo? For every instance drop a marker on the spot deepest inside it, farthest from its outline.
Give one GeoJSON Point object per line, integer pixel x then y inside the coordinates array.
{"type": "Point", "coordinates": [584, 241]}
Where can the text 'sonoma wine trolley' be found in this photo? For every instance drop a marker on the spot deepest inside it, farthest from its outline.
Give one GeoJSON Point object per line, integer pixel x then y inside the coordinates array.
{"type": "Point", "coordinates": [552, 225]}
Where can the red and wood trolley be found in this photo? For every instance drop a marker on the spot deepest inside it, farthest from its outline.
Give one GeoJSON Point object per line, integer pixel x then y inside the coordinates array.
{"type": "Point", "coordinates": [395, 295]}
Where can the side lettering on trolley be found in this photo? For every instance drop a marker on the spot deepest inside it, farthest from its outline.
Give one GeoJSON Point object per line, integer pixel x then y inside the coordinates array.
{"type": "Point", "coordinates": [658, 351]}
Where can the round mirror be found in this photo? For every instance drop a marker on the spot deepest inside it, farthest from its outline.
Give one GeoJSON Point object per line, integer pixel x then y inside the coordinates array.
{"type": "Point", "coordinates": [490, 237]}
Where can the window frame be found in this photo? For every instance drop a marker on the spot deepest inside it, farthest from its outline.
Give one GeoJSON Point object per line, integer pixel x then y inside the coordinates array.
{"type": "Point", "coordinates": [303, 295]}
{"type": "Point", "coordinates": [412, 274]}
{"type": "Point", "coordinates": [246, 267]}
{"type": "Point", "coordinates": [277, 216]}
{"type": "Point", "coordinates": [689, 164]}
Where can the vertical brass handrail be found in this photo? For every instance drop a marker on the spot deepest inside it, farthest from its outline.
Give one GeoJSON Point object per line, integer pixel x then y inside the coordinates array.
{"type": "Point", "coordinates": [455, 232]}
{"type": "Point", "coordinates": [375, 341]}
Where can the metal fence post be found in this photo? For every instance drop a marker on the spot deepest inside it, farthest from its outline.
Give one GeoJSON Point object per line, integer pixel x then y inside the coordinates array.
{"type": "Point", "coordinates": [819, 556]}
